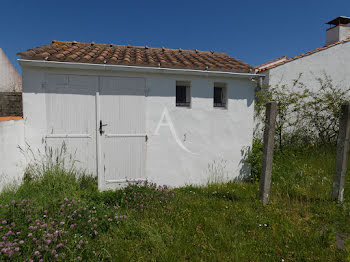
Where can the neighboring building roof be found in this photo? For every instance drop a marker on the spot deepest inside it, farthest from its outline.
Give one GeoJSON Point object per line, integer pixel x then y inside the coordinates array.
{"type": "Point", "coordinates": [8, 118]}
{"type": "Point", "coordinates": [62, 51]}
{"type": "Point", "coordinates": [272, 62]}
{"type": "Point", "coordinates": [10, 80]}
{"type": "Point", "coordinates": [261, 69]}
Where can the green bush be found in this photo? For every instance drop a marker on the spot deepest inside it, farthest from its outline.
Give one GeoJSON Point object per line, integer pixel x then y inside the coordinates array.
{"type": "Point", "coordinates": [305, 115]}
{"type": "Point", "coordinates": [255, 159]}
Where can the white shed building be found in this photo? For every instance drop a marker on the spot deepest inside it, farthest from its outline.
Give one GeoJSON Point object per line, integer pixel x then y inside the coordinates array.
{"type": "Point", "coordinates": [128, 113]}
{"type": "Point", "coordinates": [332, 60]}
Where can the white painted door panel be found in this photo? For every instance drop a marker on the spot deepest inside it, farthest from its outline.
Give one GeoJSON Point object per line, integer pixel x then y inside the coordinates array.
{"type": "Point", "coordinates": [71, 117]}
{"type": "Point", "coordinates": [123, 142]}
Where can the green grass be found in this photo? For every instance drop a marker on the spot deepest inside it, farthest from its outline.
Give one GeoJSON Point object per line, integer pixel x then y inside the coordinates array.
{"type": "Point", "coordinates": [214, 223]}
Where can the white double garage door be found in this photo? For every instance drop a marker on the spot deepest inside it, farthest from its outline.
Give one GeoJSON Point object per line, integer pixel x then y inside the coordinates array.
{"type": "Point", "coordinates": [101, 121]}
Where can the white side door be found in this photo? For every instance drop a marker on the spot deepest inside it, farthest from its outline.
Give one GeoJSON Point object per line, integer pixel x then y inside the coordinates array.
{"type": "Point", "coordinates": [121, 131]}
{"type": "Point", "coordinates": [71, 118]}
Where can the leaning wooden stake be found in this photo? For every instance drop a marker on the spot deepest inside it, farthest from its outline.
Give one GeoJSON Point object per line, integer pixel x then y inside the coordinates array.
{"type": "Point", "coordinates": [269, 141]}
{"type": "Point", "coordinates": [342, 153]}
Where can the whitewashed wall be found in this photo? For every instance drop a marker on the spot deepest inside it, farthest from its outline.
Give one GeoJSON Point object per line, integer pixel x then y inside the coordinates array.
{"type": "Point", "coordinates": [12, 161]}
{"type": "Point", "coordinates": [10, 80]}
{"type": "Point", "coordinates": [215, 137]}
{"type": "Point", "coordinates": [333, 61]}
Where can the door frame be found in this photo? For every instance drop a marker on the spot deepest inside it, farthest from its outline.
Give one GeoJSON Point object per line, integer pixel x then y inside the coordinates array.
{"type": "Point", "coordinates": [98, 137]}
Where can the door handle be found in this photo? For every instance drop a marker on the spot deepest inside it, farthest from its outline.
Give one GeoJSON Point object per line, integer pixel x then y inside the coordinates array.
{"type": "Point", "coordinates": [101, 128]}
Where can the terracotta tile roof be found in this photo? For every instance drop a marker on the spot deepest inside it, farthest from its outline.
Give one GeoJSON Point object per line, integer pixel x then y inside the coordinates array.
{"type": "Point", "coordinates": [272, 61]}
{"type": "Point", "coordinates": [63, 51]}
{"type": "Point", "coordinates": [8, 118]}
{"type": "Point", "coordinates": [259, 69]}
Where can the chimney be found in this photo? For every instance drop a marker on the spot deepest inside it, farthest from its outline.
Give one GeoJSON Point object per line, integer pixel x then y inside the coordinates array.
{"type": "Point", "coordinates": [339, 30]}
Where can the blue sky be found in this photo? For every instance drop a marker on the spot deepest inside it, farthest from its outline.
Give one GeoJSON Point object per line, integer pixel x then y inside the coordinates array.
{"type": "Point", "coordinates": [252, 31]}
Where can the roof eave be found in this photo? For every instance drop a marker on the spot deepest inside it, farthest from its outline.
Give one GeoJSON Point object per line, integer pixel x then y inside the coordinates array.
{"type": "Point", "coordinates": [140, 69]}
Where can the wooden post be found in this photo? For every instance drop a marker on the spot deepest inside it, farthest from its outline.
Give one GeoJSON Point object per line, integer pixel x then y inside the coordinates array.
{"type": "Point", "coordinates": [269, 141]}
{"type": "Point", "coordinates": [342, 153]}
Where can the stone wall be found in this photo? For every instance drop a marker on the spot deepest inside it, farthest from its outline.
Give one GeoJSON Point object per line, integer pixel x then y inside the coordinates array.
{"type": "Point", "coordinates": [11, 104]}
